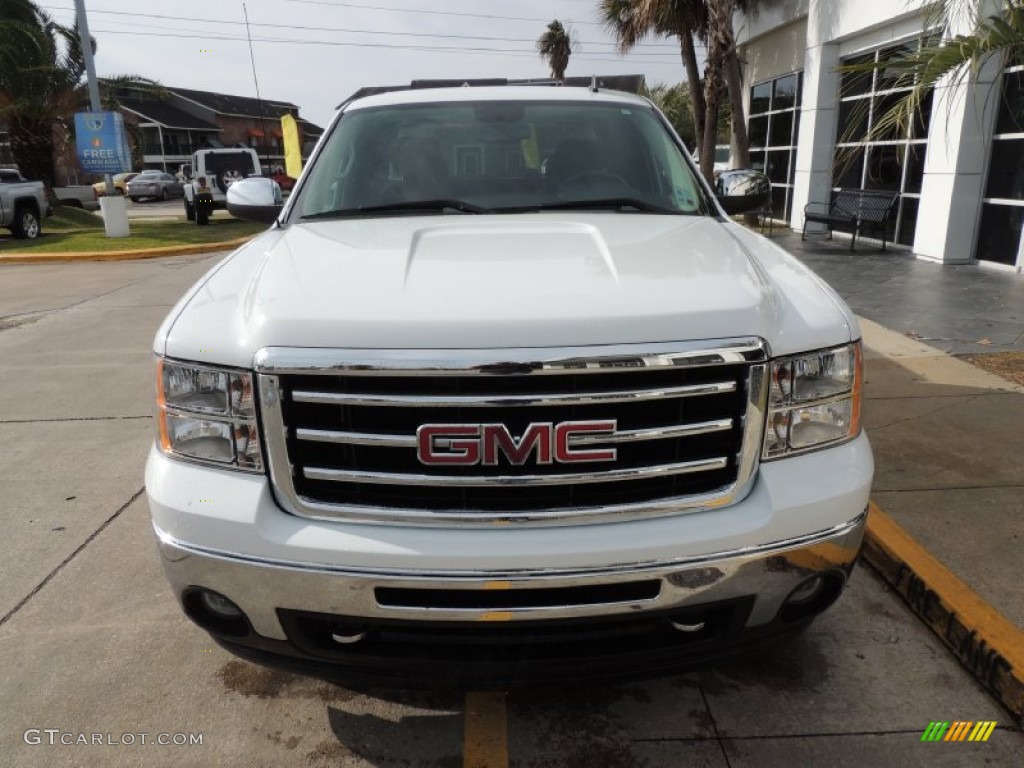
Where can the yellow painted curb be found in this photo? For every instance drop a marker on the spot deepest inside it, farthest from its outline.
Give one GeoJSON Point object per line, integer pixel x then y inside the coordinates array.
{"type": "Point", "coordinates": [485, 740]}
{"type": "Point", "coordinates": [988, 644]}
{"type": "Point", "coordinates": [139, 253]}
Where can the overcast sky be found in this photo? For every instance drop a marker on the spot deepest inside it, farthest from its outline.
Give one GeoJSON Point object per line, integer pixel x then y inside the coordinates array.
{"type": "Point", "coordinates": [314, 53]}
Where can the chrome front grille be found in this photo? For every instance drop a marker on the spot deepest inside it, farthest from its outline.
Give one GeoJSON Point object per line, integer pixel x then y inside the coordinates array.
{"type": "Point", "coordinates": [341, 430]}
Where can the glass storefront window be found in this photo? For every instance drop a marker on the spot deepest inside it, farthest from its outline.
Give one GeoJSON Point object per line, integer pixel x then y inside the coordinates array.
{"type": "Point", "coordinates": [774, 125]}
{"type": "Point", "coordinates": [999, 233]}
{"type": "Point", "coordinates": [758, 131]}
{"type": "Point", "coordinates": [856, 83]}
{"type": "Point", "coordinates": [891, 159]}
{"type": "Point", "coordinates": [1002, 210]}
{"type": "Point", "coordinates": [782, 129]}
{"type": "Point", "coordinates": [760, 98]}
{"type": "Point", "coordinates": [784, 92]}
{"type": "Point", "coordinates": [1011, 104]}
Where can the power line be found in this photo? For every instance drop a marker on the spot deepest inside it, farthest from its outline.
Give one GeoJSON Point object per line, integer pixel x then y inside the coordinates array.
{"type": "Point", "coordinates": [674, 48]}
{"type": "Point", "coordinates": [336, 43]}
{"type": "Point", "coordinates": [434, 13]}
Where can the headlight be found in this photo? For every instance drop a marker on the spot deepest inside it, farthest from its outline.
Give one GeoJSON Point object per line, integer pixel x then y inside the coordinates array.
{"type": "Point", "coordinates": [814, 401]}
{"type": "Point", "coordinates": [208, 415]}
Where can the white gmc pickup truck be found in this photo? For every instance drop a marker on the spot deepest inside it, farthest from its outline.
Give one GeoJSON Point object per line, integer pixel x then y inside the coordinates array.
{"type": "Point", "coordinates": [504, 396]}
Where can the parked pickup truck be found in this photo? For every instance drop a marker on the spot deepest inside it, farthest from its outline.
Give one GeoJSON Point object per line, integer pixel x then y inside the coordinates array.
{"type": "Point", "coordinates": [503, 395]}
{"type": "Point", "coordinates": [82, 196]}
{"type": "Point", "coordinates": [23, 204]}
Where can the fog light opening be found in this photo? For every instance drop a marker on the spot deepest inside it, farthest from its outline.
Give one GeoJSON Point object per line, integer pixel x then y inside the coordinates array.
{"type": "Point", "coordinates": [347, 637]}
{"type": "Point", "coordinates": [219, 605]}
{"type": "Point", "coordinates": [215, 613]}
{"type": "Point", "coordinates": [805, 592]}
{"type": "Point", "coordinates": [812, 596]}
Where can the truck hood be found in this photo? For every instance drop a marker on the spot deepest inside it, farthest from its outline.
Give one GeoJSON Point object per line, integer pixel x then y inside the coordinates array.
{"type": "Point", "coordinates": [534, 280]}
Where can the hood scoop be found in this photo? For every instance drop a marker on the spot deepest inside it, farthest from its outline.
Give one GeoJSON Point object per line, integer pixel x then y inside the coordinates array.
{"type": "Point", "coordinates": [478, 256]}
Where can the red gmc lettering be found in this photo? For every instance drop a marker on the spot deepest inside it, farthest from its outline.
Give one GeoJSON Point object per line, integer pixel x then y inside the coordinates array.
{"type": "Point", "coordinates": [536, 437]}
{"type": "Point", "coordinates": [564, 432]}
{"type": "Point", "coordinates": [469, 444]}
{"type": "Point", "coordinates": [455, 451]}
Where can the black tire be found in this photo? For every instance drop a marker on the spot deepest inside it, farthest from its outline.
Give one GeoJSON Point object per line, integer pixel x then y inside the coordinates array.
{"type": "Point", "coordinates": [202, 215]}
{"type": "Point", "coordinates": [190, 211]}
{"type": "Point", "coordinates": [26, 223]}
{"type": "Point", "coordinates": [135, 199]}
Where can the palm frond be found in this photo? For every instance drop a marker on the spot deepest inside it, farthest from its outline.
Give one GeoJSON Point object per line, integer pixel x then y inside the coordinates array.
{"type": "Point", "coordinates": [956, 60]}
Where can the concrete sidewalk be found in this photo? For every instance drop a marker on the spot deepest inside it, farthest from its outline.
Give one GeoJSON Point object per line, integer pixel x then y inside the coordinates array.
{"type": "Point", "coordinates": [958, 309]}
{"type": "Point", "coordinates": [948, 437]}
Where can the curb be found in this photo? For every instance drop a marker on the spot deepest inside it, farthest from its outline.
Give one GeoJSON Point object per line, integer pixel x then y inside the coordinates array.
{"type": "Point", "coordinates": [988, 644]}
{"type": "Point", "coordinates": [140, 253]}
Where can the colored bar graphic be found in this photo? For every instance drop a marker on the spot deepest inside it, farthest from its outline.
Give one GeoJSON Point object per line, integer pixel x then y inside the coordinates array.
{"type": "Point", "coordinates": [959, 730]}
{"type": "Point", "coordinates": [982, 731]}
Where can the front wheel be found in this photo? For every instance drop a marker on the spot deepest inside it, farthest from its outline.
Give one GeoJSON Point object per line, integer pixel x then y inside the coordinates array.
{"type": "Point", "coordinates": [26, 224]}
{"type": "Point", "coordinates": [202, 215]}
{"type": "Point", "coordinates": [190, 211]}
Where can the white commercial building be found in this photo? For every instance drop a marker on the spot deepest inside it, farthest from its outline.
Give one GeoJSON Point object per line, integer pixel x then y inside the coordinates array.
{"type": "Point", "coordinates": [959, 170]}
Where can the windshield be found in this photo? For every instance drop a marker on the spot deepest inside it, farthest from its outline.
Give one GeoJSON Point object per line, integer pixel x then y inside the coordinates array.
{"type": "Point", "coordinates": [499, 157]}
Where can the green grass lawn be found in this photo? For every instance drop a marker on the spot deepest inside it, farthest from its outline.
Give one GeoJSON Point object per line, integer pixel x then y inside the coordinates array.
{"type": "Point", "coordinates": [68, 219]}
{"type": "Point", "coordinates": [72, 230]}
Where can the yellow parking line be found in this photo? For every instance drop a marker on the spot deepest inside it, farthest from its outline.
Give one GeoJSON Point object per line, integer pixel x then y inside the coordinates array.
{"type": "Point", "coordinates": [982, 638]}
{"type": "Point", "coordinates": [485, 743]}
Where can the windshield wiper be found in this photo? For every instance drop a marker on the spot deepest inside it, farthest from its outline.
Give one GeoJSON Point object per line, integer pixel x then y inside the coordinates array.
{"type": "Point", "coordinates": [415, 206]}
{"type": "Point", "coordinates": [617, 203]}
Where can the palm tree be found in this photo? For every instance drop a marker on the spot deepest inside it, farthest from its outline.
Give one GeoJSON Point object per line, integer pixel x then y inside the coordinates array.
{"type": "Point", "coordinates": [723, 59]}
{"type": "Point", "coordinates": [555, 46]}
{"type": "Point", "coordinates": [709, 21]}
{"type": "Point", "coordinates": [42, 83]}
{"type": "Point", "coordinates": [674, 102]}
{"type": "Point", "coordinates": [959, 58]}
{"type": "Point", "coordinates": [630, 21]}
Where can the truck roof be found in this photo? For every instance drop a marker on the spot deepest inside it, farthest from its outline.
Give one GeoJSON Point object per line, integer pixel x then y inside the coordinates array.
{"type": "Point", "coordinates": [493, 93]}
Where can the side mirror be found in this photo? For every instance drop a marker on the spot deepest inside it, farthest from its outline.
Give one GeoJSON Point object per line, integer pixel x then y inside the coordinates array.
{"type": "Point", "coordinates": [742, 191]}
{"type": "Point", "coordinates": [255, 199]}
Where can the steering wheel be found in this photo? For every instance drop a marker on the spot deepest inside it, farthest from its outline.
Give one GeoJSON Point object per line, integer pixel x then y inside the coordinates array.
{"type": "Point", "coordinates": [592, 177]}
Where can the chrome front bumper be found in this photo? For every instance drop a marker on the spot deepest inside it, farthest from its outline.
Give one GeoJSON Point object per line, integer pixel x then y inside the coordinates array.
{"type": "Point", "coordinates": [767, 574]}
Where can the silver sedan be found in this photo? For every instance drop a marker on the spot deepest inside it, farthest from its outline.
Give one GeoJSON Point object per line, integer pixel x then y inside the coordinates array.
{"type": "Point", "coordinates": [154, 184]}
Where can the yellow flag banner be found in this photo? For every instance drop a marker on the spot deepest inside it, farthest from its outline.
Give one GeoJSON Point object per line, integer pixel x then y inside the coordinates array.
{"type": "Point", "coordinates": [292, 150]}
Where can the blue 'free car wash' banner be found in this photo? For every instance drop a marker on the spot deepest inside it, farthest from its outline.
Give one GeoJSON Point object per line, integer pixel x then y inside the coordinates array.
{"type": "Point", "coordinates": [101, 142]}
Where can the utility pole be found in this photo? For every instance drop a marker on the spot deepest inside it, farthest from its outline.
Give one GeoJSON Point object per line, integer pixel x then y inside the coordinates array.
{"type": "Point", "coordinates": [259, 101]}
{"type": "Point", "coordinates": [90, 72]}
{"type": "Point", "coordinates": [115, 218]}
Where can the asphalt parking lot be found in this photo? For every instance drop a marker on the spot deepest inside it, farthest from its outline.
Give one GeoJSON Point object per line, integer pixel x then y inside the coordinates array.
{"type": "Point", "coordinates": [92, 641]}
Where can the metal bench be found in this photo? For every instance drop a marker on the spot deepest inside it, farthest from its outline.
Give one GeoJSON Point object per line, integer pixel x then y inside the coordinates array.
{"type": "Point", "coordinates": [853, 210]}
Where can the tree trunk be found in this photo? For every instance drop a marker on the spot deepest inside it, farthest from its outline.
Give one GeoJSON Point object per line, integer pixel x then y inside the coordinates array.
{"type": "Point", "coordinates": [734, 81]}
{"type": "Point", "coordinates": [712, 91]}
{"type": "Point", "coordinates": [722, 56]}
{"type": "Point", "coordinates": [693, 81]}
{"type": "Point", "coordinates": [32, 147]}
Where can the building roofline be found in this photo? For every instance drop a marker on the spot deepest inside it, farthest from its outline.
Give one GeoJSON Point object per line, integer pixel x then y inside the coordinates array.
{"type": "Point", "coordinates": [285, 104]}
{"type": "Point", "coordinates": [168, 125]}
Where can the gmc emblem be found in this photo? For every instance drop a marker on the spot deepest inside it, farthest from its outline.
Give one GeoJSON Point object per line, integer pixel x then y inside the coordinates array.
{"type": "Point", "coordinates": [469, 444]}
